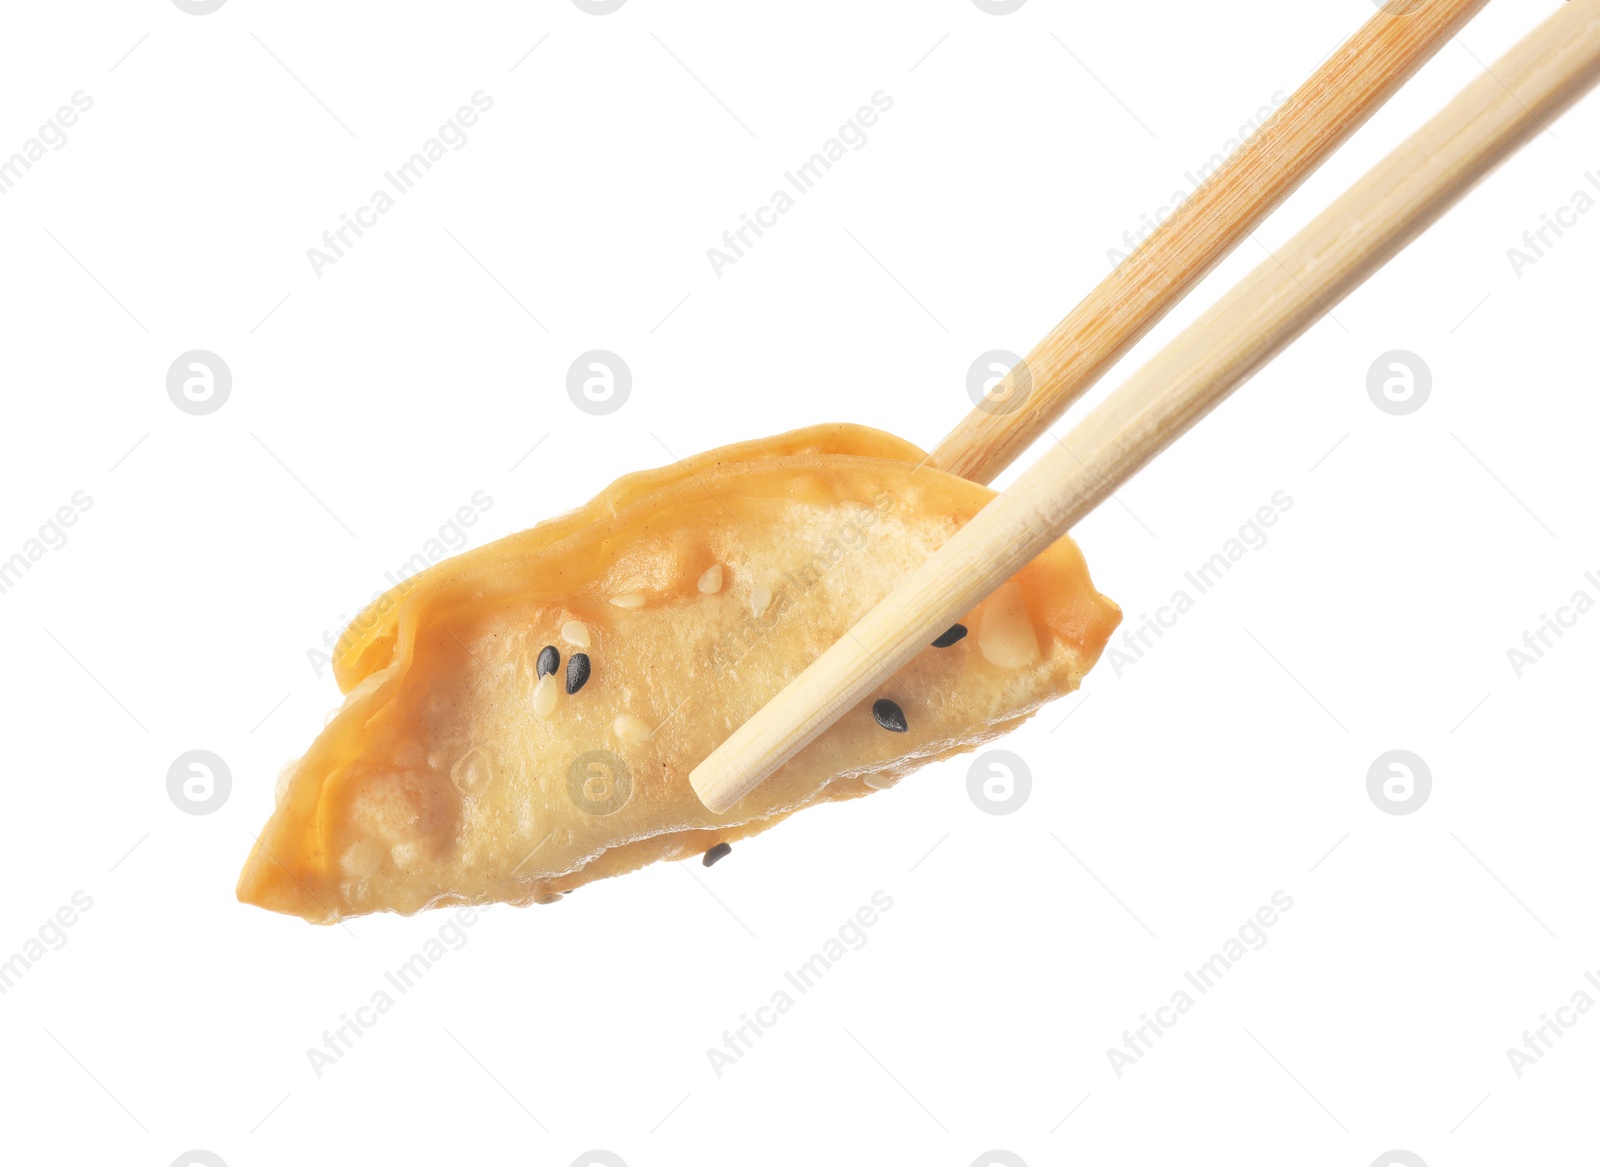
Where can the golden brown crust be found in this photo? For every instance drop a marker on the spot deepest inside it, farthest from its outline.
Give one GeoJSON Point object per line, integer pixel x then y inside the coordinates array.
{"type": "Point", "coordinates": [364, 645]}
{"type": "Point", "coordinates": [437, 782]}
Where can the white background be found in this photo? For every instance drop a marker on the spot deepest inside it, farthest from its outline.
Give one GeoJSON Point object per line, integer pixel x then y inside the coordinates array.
{"type": "Point", "coordinates": [368, 404]}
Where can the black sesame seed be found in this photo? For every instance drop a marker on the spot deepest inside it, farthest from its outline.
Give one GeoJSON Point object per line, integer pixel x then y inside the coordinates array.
{"type": "Point", "coordinates": [889, 715]}
{"type": "Point", "coordinates": [549, 660]}
{"type": "Point", "coordinates": [577, 671]}
{"type": "Point", "coordinates": [955, 633]}
{"type": "Point", "coordinates": [720, 851]}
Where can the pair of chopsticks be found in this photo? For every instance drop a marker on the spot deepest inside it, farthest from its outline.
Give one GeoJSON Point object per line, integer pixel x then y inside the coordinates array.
{"type": "Point", "coordinates": [1388, 207]}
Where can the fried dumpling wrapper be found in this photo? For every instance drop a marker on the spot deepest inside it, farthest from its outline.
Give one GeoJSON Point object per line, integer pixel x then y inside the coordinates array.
{"type": "Point", "coordinates": [679, 601]}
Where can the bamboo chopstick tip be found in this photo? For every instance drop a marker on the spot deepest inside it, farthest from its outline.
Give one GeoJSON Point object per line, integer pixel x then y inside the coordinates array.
{"type": "Point", "coordinates": [709, 783]}
{"type": "Point", "coordinates": [1493, 117]}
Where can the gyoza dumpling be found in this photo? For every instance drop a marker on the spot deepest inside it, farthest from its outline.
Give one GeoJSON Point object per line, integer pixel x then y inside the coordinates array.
{"type": "Point", "coordinates": [522, 719]}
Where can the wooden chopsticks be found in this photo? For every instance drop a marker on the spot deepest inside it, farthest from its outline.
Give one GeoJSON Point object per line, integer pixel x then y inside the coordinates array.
{"type": "Point", "coordinates": [1342, 94]}
{"type": "Point", "coordinates": [1385, 210]}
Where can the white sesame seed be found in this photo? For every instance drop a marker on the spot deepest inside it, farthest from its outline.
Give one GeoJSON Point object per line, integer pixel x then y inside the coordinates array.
{"type": "Point", "coordinates": [545, 694]}
{"type": "Point", "coordinates": [628, 600]}
{"type": "Point", "coordinates": [631, 728]}
{"type": "Point", "coordinates": [711, 579]}
{"type": "Point", "coordinates": [760, 599]}
{"type": "Point", "coordinates": [1005, 635]}
{"type": "Point", "coordinates": [576, 633]}
{"type": "Point", "coordinates": [879, 781]}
